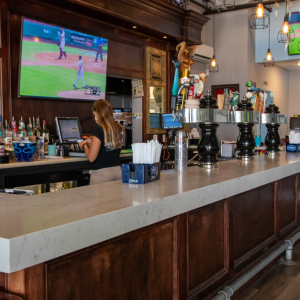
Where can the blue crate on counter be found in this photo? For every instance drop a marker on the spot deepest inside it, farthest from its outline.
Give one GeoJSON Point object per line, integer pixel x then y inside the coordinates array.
{"type": "Point", "coordinates": [140, 173]}
{"type": "Point", "coordinates": [292, 147]}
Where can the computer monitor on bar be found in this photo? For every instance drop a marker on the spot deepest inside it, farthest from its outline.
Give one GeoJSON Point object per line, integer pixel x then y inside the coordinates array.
{"type": "Point", "coordinates": [68, 130]}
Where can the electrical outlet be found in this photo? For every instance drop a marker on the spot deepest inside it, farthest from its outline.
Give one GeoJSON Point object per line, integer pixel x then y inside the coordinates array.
{"type": "Point", "coordinates": [266, 83]}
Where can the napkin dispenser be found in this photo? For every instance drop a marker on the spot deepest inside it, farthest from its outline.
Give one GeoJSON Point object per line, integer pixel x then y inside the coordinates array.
{"type": "Point", "coordinates": [140, 173]}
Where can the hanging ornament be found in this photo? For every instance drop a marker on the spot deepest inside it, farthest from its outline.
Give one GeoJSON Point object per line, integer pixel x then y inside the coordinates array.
{"type": "Point", "coordinates": [276, 5]}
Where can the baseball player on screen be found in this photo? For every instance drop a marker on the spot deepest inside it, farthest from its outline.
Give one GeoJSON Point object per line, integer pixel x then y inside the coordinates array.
{"type": "Point", "coordinates": [62, 44]}
{"type": "Point", "coordinates": [99, 49]}
{"type": "Point", "coordinates": [80, 73]}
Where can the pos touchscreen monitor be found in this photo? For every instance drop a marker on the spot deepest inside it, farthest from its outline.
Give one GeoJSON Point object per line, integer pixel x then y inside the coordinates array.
{"type": "Point", "coordinates": [68, 130]}
{"type": "Point", "coordinates": [168, 123]}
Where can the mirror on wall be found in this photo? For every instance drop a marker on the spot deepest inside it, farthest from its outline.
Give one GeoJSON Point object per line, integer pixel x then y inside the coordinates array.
{"type": "Point", "coordinates": [155, 89]}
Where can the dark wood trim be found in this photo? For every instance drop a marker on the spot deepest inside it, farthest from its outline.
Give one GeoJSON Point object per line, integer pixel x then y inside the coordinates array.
{"type": "Point", "coordinates": [254, 251]}
{"type": "Point", "coordinates": [226, 235]}
{"type": "Point", "coordinates": [288, 229]}
{"type": "Point", "coordinates": [6, 71]}
{"type": "Point", "coordinates": [182, 221]}
{"type": "Point", "coordinates": [276, 212]}
{"type": "Point", "coordinates": [209, 282]}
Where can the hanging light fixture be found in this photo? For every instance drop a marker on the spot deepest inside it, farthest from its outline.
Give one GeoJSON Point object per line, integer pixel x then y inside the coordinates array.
{"type": "Point", "coordinates": [213, 67]}
{"type": "Point", "coordinates": [260, 11]}
{"type": "Point", "coordinates": [269, 60]}
{"type": "Point", "coordinates": [286, 34]}
{"type": "Point", "coordinates": [259, 19]}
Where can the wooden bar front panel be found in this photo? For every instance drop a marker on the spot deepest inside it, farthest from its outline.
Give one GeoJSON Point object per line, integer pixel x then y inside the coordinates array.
{"type": "Point", "coordinates": [251, 223]}
{"type": "Point", "coordinates": [206, 246]}
{"type": "Point", "coordinates": [138, 267]}
{"type": "Point", "coordinates": [287, 205]}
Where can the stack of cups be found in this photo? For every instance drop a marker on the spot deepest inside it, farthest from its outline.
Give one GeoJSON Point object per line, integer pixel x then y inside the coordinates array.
{"type": "Point", "coordinates": [181, 152]}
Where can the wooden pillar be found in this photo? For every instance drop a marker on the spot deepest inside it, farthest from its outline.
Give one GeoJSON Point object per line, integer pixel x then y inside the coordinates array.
{"type": "Point", "coordinates": [5, 91]}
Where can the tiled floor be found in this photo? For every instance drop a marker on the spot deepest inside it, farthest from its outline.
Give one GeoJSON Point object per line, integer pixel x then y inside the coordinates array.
{"type": "Point", "coordinates": [283, 283]}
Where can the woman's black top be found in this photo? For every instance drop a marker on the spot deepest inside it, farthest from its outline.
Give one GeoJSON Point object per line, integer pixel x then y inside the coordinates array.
{"type": "Point", "coordinates": [108, 156]}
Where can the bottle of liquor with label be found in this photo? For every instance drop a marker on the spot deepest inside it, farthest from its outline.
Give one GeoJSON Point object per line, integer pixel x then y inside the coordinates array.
{"type": "Point", "coordinates": [39, 131]}
{"type": "Point", "coordinates": [34, 132]}
{"type": "Point", "coordinates": [46, 136]}
{"type": "Point", "coordinates": [2, 138]}
{"type": "Point", "coordinates": [8, 139]}
{"type": "Point", "coordinates": [29, 128]}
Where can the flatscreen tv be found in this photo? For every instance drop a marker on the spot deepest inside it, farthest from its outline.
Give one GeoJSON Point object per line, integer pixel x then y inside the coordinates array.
{"type": "Point", "coordinates": [61, 63]}
{"type": "Point", "coordinates": [294, 47]}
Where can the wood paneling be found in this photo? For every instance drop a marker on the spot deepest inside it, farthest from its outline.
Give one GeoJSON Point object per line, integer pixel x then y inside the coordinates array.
{"type": "Point", "coordinates": [132, 62]}
{"type": "Point", "coordinates": [286, 205]}
{"type": "Point", "coordinates": [252, 222]}
{"type": "Point", "coordinates": [140, 266]}
{"type": "Point", "coordinates": [4, 296]}
{"type": "Point", "coordinates": [206, 262]}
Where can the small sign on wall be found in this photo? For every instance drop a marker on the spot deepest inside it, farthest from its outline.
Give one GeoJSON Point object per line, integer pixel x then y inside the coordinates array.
{"type": "Point", "coordinates": [136, 116]}
{"type": "Point", "coordinates": [137, 88]}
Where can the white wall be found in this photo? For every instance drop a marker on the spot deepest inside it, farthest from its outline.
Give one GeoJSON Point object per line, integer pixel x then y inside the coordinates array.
{"type": "Point", "coordinates": [294, 93]}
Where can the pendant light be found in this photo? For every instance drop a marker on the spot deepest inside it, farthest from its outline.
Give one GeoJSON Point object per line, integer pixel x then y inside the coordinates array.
{"type": "Point", "coordinates": [213, 67]}
{"type": "Point", "coordinates": [259, 19]}
{"type": "Point", "coordinates": [260, 11]}
{"type": "Point", "coordinates": [286, 34]}
{"type": "Point", "coordinates": [269, 60]}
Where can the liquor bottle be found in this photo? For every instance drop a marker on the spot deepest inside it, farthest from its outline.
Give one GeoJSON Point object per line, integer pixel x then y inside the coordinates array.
{"type": "Point", "coordinates": [16, 137]}
{"type": "Point", "coordinates": [22, 123]}
{"type": "Point", "coordinates": [46, 136]}
{"type": "Point", "coordinates": [20, 131]}
{"type": "Point", "coordinates": [33, 127]}
{"type": "Point", "coordinates": [29, 130]}
{"type": "Point", "coordinates": [2, 138]}
{"type": "Point", "coordinates": [8, 139]}
{"type": "Point", "coordinates": [13, 123]}
{"type": "Point", "coordinates": [39, 131]}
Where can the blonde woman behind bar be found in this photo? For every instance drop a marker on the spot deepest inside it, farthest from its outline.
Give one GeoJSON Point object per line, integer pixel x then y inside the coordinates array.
{"type": "Point", "coordinates": [105, 145]}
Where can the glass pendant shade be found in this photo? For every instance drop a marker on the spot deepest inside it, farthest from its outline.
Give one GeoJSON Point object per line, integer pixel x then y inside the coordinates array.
{"type": "Point", "coordinates": [260, 11]}
{"type": "Point", "coordinates": [269, 60]}
{"type": "Point", "coordinates": [285, 27]}
{"type": "Point", "coordinates": [259, 19]}
{"type": "Point", "coordinates": [213, 62]}
{"type": "Point", "coordinates": [286, 34]}
{"type": "Point", "coordinates": [213, 67]}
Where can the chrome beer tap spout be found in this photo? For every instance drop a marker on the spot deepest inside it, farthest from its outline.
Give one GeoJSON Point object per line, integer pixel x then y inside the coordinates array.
{"type": "Point", "coordinates": [179, 95]}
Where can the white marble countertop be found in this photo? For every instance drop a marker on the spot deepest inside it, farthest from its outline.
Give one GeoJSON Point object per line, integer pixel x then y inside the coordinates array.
{"type": "Point", "coordinates": [42, 227]}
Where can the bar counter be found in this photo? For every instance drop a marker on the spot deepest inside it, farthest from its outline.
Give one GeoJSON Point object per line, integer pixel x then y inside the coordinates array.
{"type": "Point", "coordinates": [187, 233]}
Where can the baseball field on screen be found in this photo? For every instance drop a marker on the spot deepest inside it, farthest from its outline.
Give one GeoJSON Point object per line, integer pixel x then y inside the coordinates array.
{"type": "Point", "coordinates": [293, 46]}
{"type": "Point", "coordinates": [45, 72]}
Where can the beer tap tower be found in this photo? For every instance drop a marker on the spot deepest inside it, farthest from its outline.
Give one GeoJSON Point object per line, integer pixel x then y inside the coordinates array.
{"type": "Point", "coordinates": [207, 116]}
{"type": "Point", "coordinates": [245, 117]}
{"type": "Point", "coordinates": [272, 118]}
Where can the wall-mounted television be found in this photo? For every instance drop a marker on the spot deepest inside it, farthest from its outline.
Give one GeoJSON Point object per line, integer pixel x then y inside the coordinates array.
{"type": "Point", "coordinates": [294, 47]}
{"type": "Point", "coordinates": [60, 63]}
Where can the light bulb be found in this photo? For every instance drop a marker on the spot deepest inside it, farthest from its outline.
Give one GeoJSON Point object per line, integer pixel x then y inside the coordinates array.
{"type": "Point", "coordinates": [269, 56]}
{"type": "Point", "coordinates": [260, 10]}
{"type": "Point", "coordinates": [213, 63]}
{"type": "Point", "coordinates": [285, 28]}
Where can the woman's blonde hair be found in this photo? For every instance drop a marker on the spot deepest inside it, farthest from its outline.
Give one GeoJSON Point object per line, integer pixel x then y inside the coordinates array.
{"type": "Point", "coordinates": [113, 132]}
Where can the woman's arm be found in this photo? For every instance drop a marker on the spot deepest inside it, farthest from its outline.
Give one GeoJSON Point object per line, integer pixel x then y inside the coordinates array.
{"type": "Point", "coordinates": [92, 152]}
